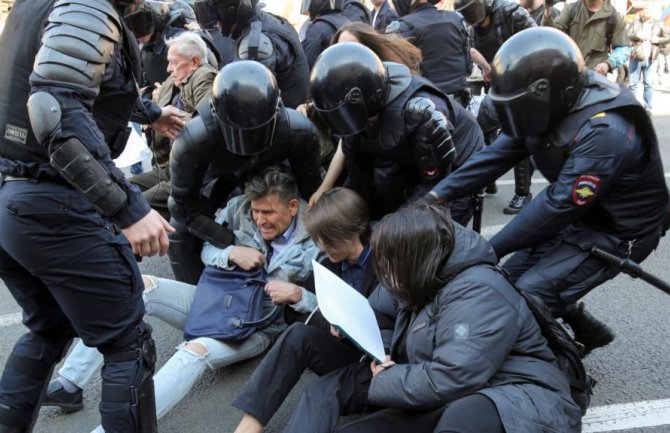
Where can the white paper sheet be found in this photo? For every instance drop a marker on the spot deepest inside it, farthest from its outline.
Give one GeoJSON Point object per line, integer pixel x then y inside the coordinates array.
{"type": "Point", "coordinates": [136, 150]}
{"type": "Point", "coordinates": [347, 309]}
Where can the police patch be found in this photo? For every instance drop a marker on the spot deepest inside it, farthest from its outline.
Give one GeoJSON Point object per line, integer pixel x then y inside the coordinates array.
{"type": "Point", "coordinates": [585, 189]}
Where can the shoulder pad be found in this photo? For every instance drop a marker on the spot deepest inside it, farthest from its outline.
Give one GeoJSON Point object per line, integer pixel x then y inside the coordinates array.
{"type": "Point", "coordinates": [78, 42]}
{"type": "Point", "coordinates": [295, 127]}
{"type": "Point", "coordinates": [398, 26]}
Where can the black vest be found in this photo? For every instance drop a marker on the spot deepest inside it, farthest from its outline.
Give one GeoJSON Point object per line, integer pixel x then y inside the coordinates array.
{"type": "Point", "coordinates": [111, 109]}
{"type": "Point", "coordinates": [19, 49]}
{"type": "Point", "coordinates": [294, 83]}
{"type": "Point", "coordinates": [443, 42]}
{"type": "Point", "coordinates": [639, 206]}
{"type": "Point", "coordinates": [335, 20]}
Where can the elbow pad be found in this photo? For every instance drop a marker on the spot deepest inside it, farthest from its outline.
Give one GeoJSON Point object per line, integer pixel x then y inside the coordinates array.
{"type": "Point", "coordinates": [73, 160]}
{"type": "Point", "coordinates": [76, 164]}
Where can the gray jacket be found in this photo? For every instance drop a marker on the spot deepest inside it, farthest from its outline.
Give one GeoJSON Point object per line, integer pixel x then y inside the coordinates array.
{"type": "Point", "coordinates": [478, 335]}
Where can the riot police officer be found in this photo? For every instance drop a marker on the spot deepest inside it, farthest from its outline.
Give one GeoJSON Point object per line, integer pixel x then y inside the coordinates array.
{"type": "Point", "coordinates": [70, 220]}
{"type": "Point", "coordinates": [593, 141]}
{"type": "Point", "coordinates": [325, 19]}
{"type": "Point", "coordinates": [493, 22]}
{"type": "Point", "coordinates": [444, 43]}
{"type": "Point", "coordinates": [242, 129]}
{"type": "Point", "coordinates": [262, 37]}
{"type": "Point", "coordinates": [396, 128]}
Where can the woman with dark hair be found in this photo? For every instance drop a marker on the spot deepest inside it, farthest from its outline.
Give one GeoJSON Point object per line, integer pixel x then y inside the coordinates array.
{"type": "Point", "coordinates": [389, 48]}
{"type": "Point", "coordinates": [467, 354]}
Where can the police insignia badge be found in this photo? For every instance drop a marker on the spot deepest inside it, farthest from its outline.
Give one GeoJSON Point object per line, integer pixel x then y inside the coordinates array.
{"type": "Point", "coordinates": [585, 189]}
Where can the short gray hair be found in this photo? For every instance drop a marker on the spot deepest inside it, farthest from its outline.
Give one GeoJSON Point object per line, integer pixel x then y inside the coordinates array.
{"type": "Point", "coordinates": [272, 180]}
{"type": "Point", "coordinates": [189, 45]}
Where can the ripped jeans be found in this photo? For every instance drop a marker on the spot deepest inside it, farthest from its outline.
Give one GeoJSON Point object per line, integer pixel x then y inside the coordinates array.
{"type": "Point", "coordinates": [170, 301]}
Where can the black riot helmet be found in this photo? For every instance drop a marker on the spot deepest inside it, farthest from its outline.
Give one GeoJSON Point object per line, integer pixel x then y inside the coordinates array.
{"type": "Point", "coordinates": [474, 11]}
{"type": "Point", "coordinates": [148, 18]}
{"type": "Point", "coordinates": [229, 12]}
{"type": "Point", "coordinates": [319, 7]}
{"type": "Point", "coordinates": [245, 101]}
{"type": "Point", "coordinates": [348, 87]}
{"type": "Point", "coordinates": [536, 78]}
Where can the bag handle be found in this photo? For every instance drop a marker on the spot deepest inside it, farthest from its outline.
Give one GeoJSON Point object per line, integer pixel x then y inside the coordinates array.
{"type": "Point", "coordinates": [264, 321]}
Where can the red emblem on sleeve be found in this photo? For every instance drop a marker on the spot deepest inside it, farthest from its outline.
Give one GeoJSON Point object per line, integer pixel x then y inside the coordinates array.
{"type": "Point", "coordinates": [585, 189]}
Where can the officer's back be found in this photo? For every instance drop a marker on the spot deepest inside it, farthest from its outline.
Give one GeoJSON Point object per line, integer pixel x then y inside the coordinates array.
{"type": "Point", "coordinates": [443, 40]}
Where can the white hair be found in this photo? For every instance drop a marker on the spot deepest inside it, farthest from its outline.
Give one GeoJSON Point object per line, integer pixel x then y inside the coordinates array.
{"type": "Point", "coordinates": [189, 45]}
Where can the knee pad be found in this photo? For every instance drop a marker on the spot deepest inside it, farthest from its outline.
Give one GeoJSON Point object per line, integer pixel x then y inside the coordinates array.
{"type": "Point", "coordinates": [127, 402]}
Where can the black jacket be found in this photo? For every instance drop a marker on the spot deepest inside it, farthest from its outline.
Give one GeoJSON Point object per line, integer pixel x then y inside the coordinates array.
{"type": "Point", "coordinates": [477, 336]}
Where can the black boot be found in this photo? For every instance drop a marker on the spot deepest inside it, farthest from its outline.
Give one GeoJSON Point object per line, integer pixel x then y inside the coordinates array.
{"type": "Point", "coordinates": [588, 330]}
{"type": "Point", "coordinates": [517, 203]}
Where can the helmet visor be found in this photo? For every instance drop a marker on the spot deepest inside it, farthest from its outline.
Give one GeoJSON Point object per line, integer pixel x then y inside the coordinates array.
{"type": "Point", "coordinates": [525, 113]}
{"type": "Point", "coordinates": [347, 118]}
{"type": "Point", "coordinates": [474, 13]}
{"type": "Point", "coordinates": [248, 141]}
{"type": "Point", "coordinates": [206, 13]}
{"type": "Point", "coordinates": [141, 21]}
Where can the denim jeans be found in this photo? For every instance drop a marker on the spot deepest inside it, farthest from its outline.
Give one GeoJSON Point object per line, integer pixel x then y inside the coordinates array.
{"type": "Point", "coordinates": [170, 301]}
{"type": "Point", "coordinates": [644, 69]}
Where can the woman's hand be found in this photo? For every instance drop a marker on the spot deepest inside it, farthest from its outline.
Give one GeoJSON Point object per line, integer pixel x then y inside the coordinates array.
{"type": "Point", "coordinates": [378, 368]}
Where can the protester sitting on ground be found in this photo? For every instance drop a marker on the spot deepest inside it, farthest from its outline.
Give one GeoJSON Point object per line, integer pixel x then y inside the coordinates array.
{"type": "Point", "coordinates": [189, 83]}
{"type": "Point", "coordinates": [391, 48]}
{"type": "Point", "coordinates": [269, 232]}
{"type": "Point", "coordinates": [338, 223]}
{"type": "Point", "coordinates": [467, 354]}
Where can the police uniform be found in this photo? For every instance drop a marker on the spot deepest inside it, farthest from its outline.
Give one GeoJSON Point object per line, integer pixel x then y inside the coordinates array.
{"type": "Point", "coordinates": [444, 43]}
{"type": "Point", "coordinates": [272, 41]}
{"type": "Point", "coordinates": [209, 160]}
{"type": "Point", "coordinates": [319, 33]}
{"type": "Point", "coordinates": [607, 190]}
{"type": "Point", "coordinates": [62, 256]}
{"type": "Point", "coordinates": [390, 161]}
{"type": "Point", "coordinates": [355, 11]}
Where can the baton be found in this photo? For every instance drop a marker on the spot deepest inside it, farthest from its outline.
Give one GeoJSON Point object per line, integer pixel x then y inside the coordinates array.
{"type": "Point", "coordinates": [631, 268]}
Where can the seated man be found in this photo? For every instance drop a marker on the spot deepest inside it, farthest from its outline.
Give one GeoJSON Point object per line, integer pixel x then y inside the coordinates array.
{"type": "Point", "coordinates": [189, 83]}
{"type": "Point", "coordinates": [338, 222]}
{"type": "Point", "coordinates": [270, 232]}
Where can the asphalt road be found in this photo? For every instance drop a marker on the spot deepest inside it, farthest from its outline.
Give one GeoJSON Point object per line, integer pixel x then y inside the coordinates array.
{"type": "Point", "coordinates": [633, 368]}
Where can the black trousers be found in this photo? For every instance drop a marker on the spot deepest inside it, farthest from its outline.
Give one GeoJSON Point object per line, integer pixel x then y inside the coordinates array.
{"type": "Point", "coordinates": [561, 270]}
{"type": "Point", "coordinates": [472, 414]}
{"type": "Point", "coordinates": [300, 347]}
{"type": "Point", "coordinates": [72, 274]}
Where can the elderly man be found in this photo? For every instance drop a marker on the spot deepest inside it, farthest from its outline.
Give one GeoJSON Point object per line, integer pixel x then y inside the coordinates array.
{"type": "Point", "coordinates": [189, 83]}
{"type": "Point", "coordinates": [270, 232]}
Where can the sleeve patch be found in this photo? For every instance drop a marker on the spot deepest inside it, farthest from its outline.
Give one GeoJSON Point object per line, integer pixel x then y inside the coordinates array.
{"type": "Point", "coordinates": [585, 189]}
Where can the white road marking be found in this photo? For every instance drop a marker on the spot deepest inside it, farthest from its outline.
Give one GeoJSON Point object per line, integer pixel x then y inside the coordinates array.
{"type": "Point", "coordinates": [626, 416]}
{"type": "Point", "coordinates": [10, 320]}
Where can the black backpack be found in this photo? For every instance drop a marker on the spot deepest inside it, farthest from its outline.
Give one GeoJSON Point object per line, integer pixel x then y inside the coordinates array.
{"type": "Point", "coordinates": [567, 351]}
